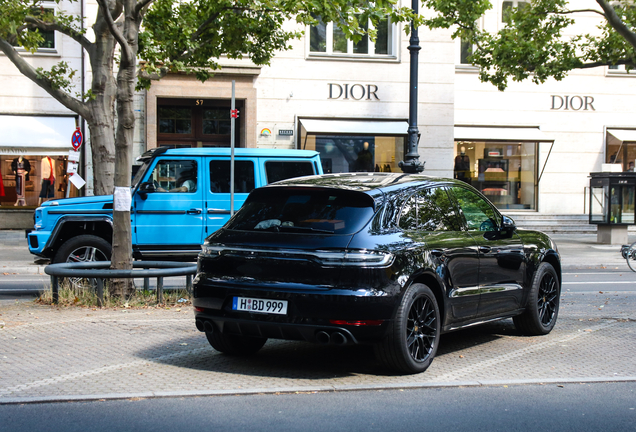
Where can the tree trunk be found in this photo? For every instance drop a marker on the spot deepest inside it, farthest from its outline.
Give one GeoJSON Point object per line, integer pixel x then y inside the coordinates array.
{"type": "Point", "coordinates": [122, 234]}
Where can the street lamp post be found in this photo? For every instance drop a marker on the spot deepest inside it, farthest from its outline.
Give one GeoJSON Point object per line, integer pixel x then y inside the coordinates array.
{"type": "Point", "coordinates": [411, 163]}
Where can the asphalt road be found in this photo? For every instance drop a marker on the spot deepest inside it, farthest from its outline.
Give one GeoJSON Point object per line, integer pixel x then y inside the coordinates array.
{"type": "Point", "coordinates": [551, 407]}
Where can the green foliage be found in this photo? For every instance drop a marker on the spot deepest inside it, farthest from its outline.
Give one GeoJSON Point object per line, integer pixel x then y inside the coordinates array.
{"type": "Point", "coordinates": [59, 77]}
{"type": "Point", "coordinates": [538, 41]}
{"type": "Point", "coordinates": [191, 36]}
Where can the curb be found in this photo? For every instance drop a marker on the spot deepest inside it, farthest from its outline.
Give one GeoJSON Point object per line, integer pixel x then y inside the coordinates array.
{"type": "Point", "coordinates": [321, 389]}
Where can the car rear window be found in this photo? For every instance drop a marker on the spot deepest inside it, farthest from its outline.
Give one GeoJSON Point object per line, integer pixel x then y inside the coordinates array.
{"type": "Point", "coordinates": [304, 210]}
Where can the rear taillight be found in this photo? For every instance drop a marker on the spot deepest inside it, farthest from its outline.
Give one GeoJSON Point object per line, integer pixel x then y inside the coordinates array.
{"type": "Point", "coordinates": [357, 323]}
{"type": "Point", "coordinates": [329, 258]}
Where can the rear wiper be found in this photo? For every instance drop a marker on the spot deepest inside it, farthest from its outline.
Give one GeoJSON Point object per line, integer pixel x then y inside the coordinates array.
{"type": "Point", "coordinates": [301, 228]}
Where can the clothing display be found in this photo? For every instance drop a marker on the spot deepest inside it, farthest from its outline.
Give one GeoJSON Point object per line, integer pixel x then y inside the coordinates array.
{"type": "Point", "coordinates": [48, 178]}
{"type": "Point", "coordinates": [21, 168]}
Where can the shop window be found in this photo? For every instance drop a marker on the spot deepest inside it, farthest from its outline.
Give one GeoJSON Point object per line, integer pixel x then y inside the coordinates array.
{"type": "Point", "coordinates": [505, 172]}
{"type": "Point", "coordinates": [216, 121]}
{"type": "Point", "coordinates": [329, 39]}
{"type": "Point", "coordinates": [197, 123]}
{"type": "Point", "coordinates": [48, 37]}
{"type": "Point", "coordinates": [340, 154]}
{"type": "Point", "coordinates": [175, 120]}
{"type": "Point", "coordinates": [622, 153]}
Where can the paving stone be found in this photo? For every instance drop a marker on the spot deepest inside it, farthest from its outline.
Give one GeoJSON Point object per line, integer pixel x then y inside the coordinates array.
{"type": "Point", "coordinates": [68, 353]}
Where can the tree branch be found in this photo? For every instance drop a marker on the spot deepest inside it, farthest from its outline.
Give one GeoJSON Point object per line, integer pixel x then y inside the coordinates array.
{"type": "Point", "coordinates": [565, 12]}
{"type": "Point", "coordinates": [127, 55]}
{"type": "Point", "coordinates": [140, 5]}
{"type": "Point", "coordinates": [68, 31]}
{"type": "Point", "coordinates": [28, 71]}
{"type": "Point", "coordinates": [616, 23]}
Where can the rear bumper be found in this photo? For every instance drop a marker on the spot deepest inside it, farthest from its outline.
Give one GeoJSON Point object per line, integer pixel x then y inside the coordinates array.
{"type": "Point", "coordinates": [314, 333]}
{"type": "Point", "coordinates": [361, 316]}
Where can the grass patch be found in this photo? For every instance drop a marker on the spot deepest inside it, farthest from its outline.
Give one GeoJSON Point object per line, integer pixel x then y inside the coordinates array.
{"type": "Point", "coordinates": [82, 294]}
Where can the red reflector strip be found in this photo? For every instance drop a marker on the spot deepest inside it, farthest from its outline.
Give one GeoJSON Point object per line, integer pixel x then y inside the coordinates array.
{"type": "Point", "coordinates": [199, 309]}
{"type": "Point", "coordinates": [357, 323]}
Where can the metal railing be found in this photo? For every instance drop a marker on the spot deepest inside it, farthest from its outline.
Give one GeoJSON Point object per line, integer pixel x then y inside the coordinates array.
{"type": "Point", "coordinates": [100, 270]}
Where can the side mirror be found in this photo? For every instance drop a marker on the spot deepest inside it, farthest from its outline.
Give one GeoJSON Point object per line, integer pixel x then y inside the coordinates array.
{"type": "Point", "coordinates": [508, 224]}
{"type": "Point", "coordinates": [146, 188]}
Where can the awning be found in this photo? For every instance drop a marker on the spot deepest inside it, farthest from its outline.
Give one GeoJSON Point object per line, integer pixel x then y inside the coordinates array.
{"type": "Point", "coordinates": [33, 135]}
{"type": "Point", "coordinates": [623, 135]}
{"type": "Point", "coordinates": [494, 133]}
{"type": "Point", "coordinates": [357, 127]}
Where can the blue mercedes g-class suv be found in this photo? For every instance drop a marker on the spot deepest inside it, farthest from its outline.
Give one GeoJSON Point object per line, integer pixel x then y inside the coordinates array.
{"type": "Point", "coordinates": [179, 197]}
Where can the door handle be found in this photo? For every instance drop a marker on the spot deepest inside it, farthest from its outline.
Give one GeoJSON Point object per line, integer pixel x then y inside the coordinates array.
{"type": "Point", "coordinates": [218, 211]}
{"type": "Point", "coordinates": [193, 211]}
{"type": "Point", "coordinates": [484, 249]}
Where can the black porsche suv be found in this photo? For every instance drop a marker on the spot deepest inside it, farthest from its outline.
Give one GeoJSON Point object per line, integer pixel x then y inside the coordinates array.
{"type": "Point", "coordinates": [392, 260]}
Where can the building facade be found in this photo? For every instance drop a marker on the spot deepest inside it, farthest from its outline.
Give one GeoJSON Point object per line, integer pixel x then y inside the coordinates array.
{"type": "Point", "coordinates": [36, 130]}
{"type": "Point", "coordinates": [529, 149]}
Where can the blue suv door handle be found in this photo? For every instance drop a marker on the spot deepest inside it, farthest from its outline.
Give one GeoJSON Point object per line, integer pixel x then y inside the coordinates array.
{"type": "Point", "coordinates": [194, 211]}
{"type": "Point", "coordinates": [218, 211]}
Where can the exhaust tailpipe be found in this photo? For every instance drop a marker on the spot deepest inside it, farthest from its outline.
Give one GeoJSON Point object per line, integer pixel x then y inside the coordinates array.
{"type": "Point", "coordinates": [209, 327]}
{"type": "Point", "coordinates": [200, 325]}
{"type": "Point", "coordinates": [338, 338]}
{"type": "Point", "coordinates": [323, 337]}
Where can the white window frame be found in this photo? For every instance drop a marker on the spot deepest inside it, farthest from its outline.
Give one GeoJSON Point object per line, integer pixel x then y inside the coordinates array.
{"type": "Point", "coordinates": [393, 35]}
{"type": "Point", "coordinates": [620, 71]}
{"type": "Point", "coordinates": [55, 51]}
{"type": "Point", "coordinates": [515, 4]}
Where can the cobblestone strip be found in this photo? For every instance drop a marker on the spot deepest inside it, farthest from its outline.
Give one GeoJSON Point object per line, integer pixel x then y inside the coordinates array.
{"type": "Point", "coordinates": [76, 375]}
{"type": "Point", "coordinates": [485, 365]}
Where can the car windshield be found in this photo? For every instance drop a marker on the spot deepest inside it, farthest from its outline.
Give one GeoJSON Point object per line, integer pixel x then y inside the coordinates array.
{"type": "Point", "coordinates": [140, 173]}
{"type": "Point", "coordinates": [303, 210]}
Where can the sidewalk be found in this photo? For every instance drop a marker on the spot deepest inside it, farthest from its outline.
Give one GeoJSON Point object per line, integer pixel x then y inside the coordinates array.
{"type": "Point", "coordinates": [580, 251]}
{"type": "Point", "coordinates": [56, 354]}
{"type": "Point", "coordinates": [63, 354]}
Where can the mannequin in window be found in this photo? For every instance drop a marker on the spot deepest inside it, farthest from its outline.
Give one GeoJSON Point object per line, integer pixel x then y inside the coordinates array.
{"type": "Point", "coordinates": [364, 161]}
{"type": "Point", "coordinates": [462, 166]}
{"type": "Point", "coordinates": [20, 167]}
{"type": "Point", "coordinates": [48, 179]}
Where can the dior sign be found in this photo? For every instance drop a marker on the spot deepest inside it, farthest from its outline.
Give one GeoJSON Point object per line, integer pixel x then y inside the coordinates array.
{"type": "Point", "coordinates": [353, 91]}
{"type": "Point", "coordinates": [574, 103]}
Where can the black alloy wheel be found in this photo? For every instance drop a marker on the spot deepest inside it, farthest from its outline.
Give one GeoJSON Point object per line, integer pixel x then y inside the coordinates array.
{"type": "Point", "coordinates": [548, 299]}
{"type": "Point", "coordinates": [542, 311]}
{"type": "Point", "coordinates": [413, 340]}
{"type": "Point", "coordinates": [83, 248]}
{"type": "Point", "coordinates": [421, 332]}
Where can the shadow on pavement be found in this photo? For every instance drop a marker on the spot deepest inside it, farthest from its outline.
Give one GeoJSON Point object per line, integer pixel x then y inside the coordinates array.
{"type": "Point", "coordinates": [302, 360]}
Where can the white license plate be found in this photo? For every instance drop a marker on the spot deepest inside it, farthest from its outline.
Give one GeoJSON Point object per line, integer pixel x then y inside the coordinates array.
{"type": "Point", "coordinates": [247, 304]}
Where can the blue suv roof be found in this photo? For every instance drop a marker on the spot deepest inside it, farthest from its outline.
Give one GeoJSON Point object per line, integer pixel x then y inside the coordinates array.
{"type": "Point", "coordinates": [225, 151]}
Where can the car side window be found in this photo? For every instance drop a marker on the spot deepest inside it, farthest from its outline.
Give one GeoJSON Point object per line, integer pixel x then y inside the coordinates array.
{"type": "Point", "coordinates": [429, 210]}
{"type": "Point", "coordinates": [478, 213]}
{"type": "Point", "coordinates": [282, 170]}
{"type": "Point", "coordinates": [220, 176]}
{"type": "Point", "coordinates": [175, 176]}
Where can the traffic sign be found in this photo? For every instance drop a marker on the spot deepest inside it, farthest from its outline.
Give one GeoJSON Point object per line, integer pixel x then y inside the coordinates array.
{"type": "Point", "coordinates": [77, 138]}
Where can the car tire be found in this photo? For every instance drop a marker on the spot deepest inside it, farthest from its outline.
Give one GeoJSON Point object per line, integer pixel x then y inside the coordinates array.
{"type": "Point", "coordinates": [83, 248]}
{"type": "Point", "coordinates": [542, 310]}
{"type": "Point", "coordinates": [414, 337]}
{"type": "Point", "coordinates": [235, 344]}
